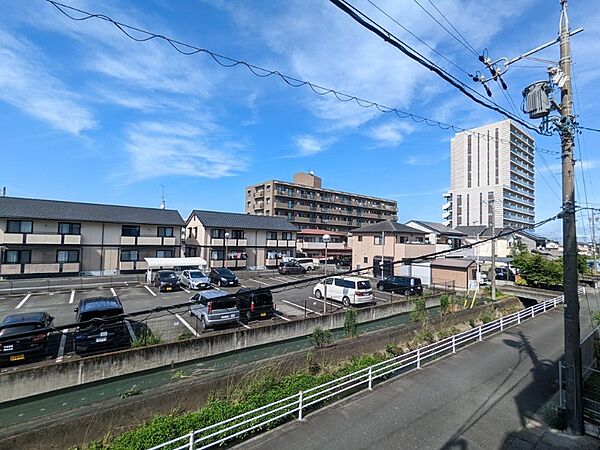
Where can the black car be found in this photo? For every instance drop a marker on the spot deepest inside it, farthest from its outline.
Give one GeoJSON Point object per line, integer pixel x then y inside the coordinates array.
{"type": "Point", "coordinates": [290, 267]}
{"type": "Point", "coordinates": [101, 333]}
{"type": "Point", "coordinates": [255, 304]}
{"type": "Point", "coordinates": [504, 273]}
{"type": "Point", "coordinates": [166, 280]}
{"type": "Point", "coordinates": [222, 276]}
{"type": "Point", "coordinates": [401, 285]}
{"type": "Point", "coordinates": [27, 347]}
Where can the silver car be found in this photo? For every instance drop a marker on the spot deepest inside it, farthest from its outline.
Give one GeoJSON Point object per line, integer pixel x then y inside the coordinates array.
{"type": "Point", "coordinates": [194, 279]}
{"type": "Point", "coordinates": [211, 310]}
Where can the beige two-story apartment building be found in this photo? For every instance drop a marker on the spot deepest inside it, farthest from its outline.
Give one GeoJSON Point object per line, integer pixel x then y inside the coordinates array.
{"type": "Point", "coordinates": [239, 241]}
{"type": "Point", "coordinates": [48, 237]}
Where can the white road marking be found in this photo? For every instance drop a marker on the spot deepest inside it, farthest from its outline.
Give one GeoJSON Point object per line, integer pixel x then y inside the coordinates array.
{"type": "Point", "coordinates": [283, 317]}
{"type": "Point", "coordinates": [301, 307]}
{"type": "Point", "coordinates": [329, 303]}
{"type": "Point", "coordinates": [61, 347]}
{"type": "Point", "coordinates": [150, 290]}
{"type": "Point", "coordinates": [72, 297]}
{"type": "Point", "coordinates": [22, 302]}
{"type": "Point", "coordinates": [260, 282]}
{"type": "Point", "coordinates": [187, 325]}
{"type": "Point", "coordinates": [186, 290]}
{"type": "Point", "coordinates": [113, 292]}
{"type": "Point", "coordinates": [244, 325]}
{"type": "Point", "coordinates": [130, 329]}
{"type": "Point", "coordinates": [382, 299]}
{"type": "Point", "coordinates": [279, 280]}
{"type": "Point", "coordinates": [242, 285]}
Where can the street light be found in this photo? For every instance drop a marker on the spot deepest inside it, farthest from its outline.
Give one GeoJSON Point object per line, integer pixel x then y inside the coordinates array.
{"type": "Point", "coordinates": [326, 238]}
{"type": "Point", "coordinates": [226, 239]}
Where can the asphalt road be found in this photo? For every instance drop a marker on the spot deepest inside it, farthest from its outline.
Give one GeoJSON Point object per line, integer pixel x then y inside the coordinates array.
{"type": "Point", "coordinates": [475, 399]}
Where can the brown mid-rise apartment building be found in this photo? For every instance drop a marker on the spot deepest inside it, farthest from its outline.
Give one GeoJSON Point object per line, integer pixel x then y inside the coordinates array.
{"type": "Point", "coordinates": [309, 206]}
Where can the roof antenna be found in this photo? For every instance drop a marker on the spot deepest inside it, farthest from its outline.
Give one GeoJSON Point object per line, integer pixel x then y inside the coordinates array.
{"type": "Point", "coordinates": [163, 205]}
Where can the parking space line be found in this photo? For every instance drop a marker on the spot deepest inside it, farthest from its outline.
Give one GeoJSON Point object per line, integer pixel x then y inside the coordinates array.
{"type": "Point", "coordinates": [382, 299]}
{"type": "Point", "coordinates": [259, 282]}
{"type": "Point", "coordinates": [329, 303]}
{"type": "Point", "coordinates": [63, 342]}
{"type": "Point", "coordinates": [72, 297]}
{"type": "Point", "coordinates": [130, 329]}
{"type": "Point", "coordinates": [187, 325]}
{"type": "Point", "coordinates": [282, 317]}
{"type": "Point", "coordinates": [112, 291]}
{"type": "Point", "coordinates": [150, 290]}
{"type": "Point", "coordinates": [279, 280]}
{"type": "Point", "coordinates": [301, 307]}
{"type": "Point", "coordinates": [186, 290]}
{"type": "Point", "coordinates": [242, 285]}
{"type": "Point", "coordinates": [22, 302]}
{"type": "Point", "coordinates": [244, 325]}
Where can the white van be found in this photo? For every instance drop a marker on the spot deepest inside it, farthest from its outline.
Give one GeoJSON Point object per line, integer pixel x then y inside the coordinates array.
{"type": "Point", "coordinates": [307, 263]}
{"type": "Point", "coordinates": [348, 290]}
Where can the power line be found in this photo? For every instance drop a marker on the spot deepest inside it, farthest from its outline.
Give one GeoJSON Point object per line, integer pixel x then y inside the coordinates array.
{"type": "Point", "coordinates": [261, 72]}
{"type": "Point", "coordinates": [454, 28]}
{"type": "Point", "coordinates": [589, 129]}
{"type": "Point", "coordinates": [388, 37]}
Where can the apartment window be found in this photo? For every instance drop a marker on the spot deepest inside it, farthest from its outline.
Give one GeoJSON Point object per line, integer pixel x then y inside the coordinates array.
{"type": "Point", "coordinates": [191, 251]}
{"type": "Point", "coordinates": [366, 259]}
{"type": "Point", "coordinates": [165, 231]}
{"type": "Point", "coordinates": [469, 162]}
{"type": "Point", "coordinates": [130, 255]}
{"type": "Point", "coordinates": [195, 232]}
{"type": "Point", "coordinates": [286, 236]}
{"type": "Point", "coordinates": [69, 228]}
{"type": "Point", "coordinates": [248, 205]}
{"type": "Point", "coordinates": [459, 210]}
{"type": "Point", "coordinates": [19, 226]}
{"type": "Point", "coordinates": [360, 238]}
{"type": "Point", "coordinates": [190, 232]}
{"type": "Point", "coordinates": [217, 234]}
{"type": "Point", "coordinates": [497, 157]}
{"type": "Point", "coordinates": [480, 208]}
{"type": "Point", "coordinates": [67, 256]}
{"type": "Point", "coordinates": [401, 239]}
{"type": "Point", "coordinates": [272, 235]}
{"type": "Point", "coordinates": [17, 257]}
{"type": "Point", "coordinates": [217, 255]}
{"type": "Point", "coordinates": [130, 230]}
{"type": "Point", "coordinates": [378, 240]}
{"type": "Point", "coordinates": [468, 208]}
{"type": "Point", "coordinates": [164, 253]}
{"type": "Point", "coordinates": [237, 234]}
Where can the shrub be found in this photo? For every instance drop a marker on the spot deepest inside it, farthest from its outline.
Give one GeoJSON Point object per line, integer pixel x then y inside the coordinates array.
{"type": "Point", "coordinates": [444, 304]}
{"type": "Point", "coordinates": [350, 324]}
{"type": "Point", "coordinates": [319, 337]}
{"type": "Point", "coordinates": [487, 316]}
{"type": "Point", "coordinates": [555, 416]}
{"type": "Point", "coordinates": [596, 318]}
{"type": "Point", "coordinates": [392, 350]}
{"type": "Point", "coordinates": [419, 314]}
{"type": "Point", "coordinates": [147, 337]}
{"type": "Point", "coordinates": [185, 335]}
{"type": "Point", "coordinates": [425, 336]}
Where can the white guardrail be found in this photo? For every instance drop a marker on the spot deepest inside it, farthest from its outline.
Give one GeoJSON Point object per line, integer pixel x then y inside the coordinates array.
{"type": "Point", "coordinates": [235, 427]}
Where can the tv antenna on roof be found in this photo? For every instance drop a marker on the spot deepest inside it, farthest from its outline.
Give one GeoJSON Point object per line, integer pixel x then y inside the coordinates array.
{"type": "Point", "coordinates": [163, 205]}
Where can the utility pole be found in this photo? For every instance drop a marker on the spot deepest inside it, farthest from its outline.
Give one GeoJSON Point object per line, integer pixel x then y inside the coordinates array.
{"type": "Point", "coordinates": [573, 379]}
{"type": "Point", "coordinates": [593, 227]}
{"type": "Point", "coordinates": [493, 249]}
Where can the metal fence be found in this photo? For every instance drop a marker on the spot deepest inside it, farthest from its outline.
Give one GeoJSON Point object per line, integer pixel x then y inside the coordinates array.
{"type": "Point", "coordinates": [301, 403]}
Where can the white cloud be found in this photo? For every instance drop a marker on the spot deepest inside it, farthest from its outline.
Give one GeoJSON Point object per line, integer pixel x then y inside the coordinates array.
{"type": "Point", "coordinates": [425, 161]}
{"type": "Point", "coordinates": [391, 133]}
{"type": "Point", "coordinates": [309, 145]}
{"type": "Point", "coordinates": [27, 84]}
{"type": "Point", "coordinates": [166, 149]}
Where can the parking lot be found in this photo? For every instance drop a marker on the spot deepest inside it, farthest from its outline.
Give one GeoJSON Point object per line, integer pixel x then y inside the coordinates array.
{"type": "Point", "coordinates": [293, 302]}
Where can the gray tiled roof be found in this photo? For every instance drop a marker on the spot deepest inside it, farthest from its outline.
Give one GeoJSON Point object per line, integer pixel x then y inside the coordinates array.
{"type": "Point", "coordinates": [216, 219]}
{"type": "Point", "coordinates": [458, 263]}
{"type": "Point", "coordinates": [29, 208]}
{"type": "Point", "coordinates": [439, 228]}
{"type": "Point", "coordinates": [387, 226]}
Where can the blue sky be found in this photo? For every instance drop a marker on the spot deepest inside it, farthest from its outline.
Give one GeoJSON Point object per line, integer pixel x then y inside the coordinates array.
{"type": "Point", "coordinates": [89, 115]}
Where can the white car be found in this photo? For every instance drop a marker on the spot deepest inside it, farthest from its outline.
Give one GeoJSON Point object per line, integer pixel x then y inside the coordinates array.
{"type": "Point", "coordinates": [348, 290]}
{"type": "Point", "coordinates": [307, 263]}
{"type": "Point", "coordinates": [194, 279]}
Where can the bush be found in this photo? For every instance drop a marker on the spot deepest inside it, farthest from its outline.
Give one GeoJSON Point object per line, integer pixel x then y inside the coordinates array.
{"type": "Point", "coordinates": [487, 316]}
{"type": "Point", "coordinates": [147, 337]}
{"type": "Point", "coordinates": [555, 416]}
{"type": "Point", "coordinates": [596, 318]}
{"type": "Point", "coordinates": [185, 335]}
{"type": "Point", "coordinates": [320, 338]}
{"type": "Point", "coordinates": [444, 304]}
{"type": "Point", "coordinates": [392, 350]}
{"type": "Point", "coordinates": [350, 323]}
{"type": "Point", "coordinates": [419, 314]}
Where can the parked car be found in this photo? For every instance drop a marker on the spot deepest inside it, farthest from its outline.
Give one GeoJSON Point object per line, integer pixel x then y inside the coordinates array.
{"type": "Point", "coordinates": [166, 280]}
{"type": "Point", "coordinates": [194, 279]}
{"type": "Point", "coordinates": [401, 285]}
{"type": "Point", "coordinates": [222, 276]}
{"type": "Point", "coordinates": [348, 290]}
{"type": "Point", "coordinates": [291, 267]}
{"type": "Point", "coordinates": [255, 304]}
{"type": "Point", "coordinates": [212, 311]}
{"type": "Point", "coordinates": [504, 273]}
{"type": "Point", "coordinates": [27, 347]}
{"type": "Point", "coordinates": [307, 263]}
{"type": "Point", "coordinates": [100, 334]}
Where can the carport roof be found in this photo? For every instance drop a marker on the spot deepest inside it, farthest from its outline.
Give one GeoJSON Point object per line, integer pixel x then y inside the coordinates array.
{"type": "Point", "coordinates": [217, 219]}
{"type": "Point", "coordinates": [30, 208]}
{"type": "Point", "coordinates": [387, 226]}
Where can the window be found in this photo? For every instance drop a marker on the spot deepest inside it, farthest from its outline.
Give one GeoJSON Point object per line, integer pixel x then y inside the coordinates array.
{"type": "Point", "coordinates": [469, 161]}
{"type": "Point", "coordinates": [17, 257]}
{"type": "Point", "coordinates": [164, 253]}
{"type": "Point", "coordinates": [378, 240]}
{"type": "Point", "coordinates": [67, 256]}
{"type": "Point", "coordinates": [190, 232]}
{"type": "Point", "coordinates": [237, 234]}
{"type": "Point", "coordinates": [345, 283]}
{"type": "Point", "coordinates": [286, 236]}
{"type": "Point", "coordinates": [478, 161]}
{"type": "Point", "coordinates": [69, 228]}
{"type": "Point", "coordinates": [217, 234]}
{"type": "Point", "coordinates": [480, 208]}
{"type": "Point", "coordinates": [360, 238]}
{"type": "Point", "coordinates": [217, 255]}
{"type": "Point", "coordinates": [468, 207]}
{"type": "Point", "coordinates": [366, 259]}
{"type": "Point", "coordinates": [497, 157]}
{"type": "Point", "coordinates": [165, 231]}
{"type": "Point", "coordinates": [272, 235]}
{"type": "Point", "coordinates": [488, 158]}
{"type": "Point", "coordinates": [191, 251]}
{"type": "Point", "coordinates": [130, 230]}
{"type": "Point", "coordinates": [401, 239]}
{"type": "Point", "coordinates": [459, 209]}
{"type": "Point", "coordinates": [129, 255]}
{"type": "Point", "coordinates": [19, 226]}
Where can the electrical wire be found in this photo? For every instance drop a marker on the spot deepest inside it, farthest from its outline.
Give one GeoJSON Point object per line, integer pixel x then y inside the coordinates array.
{"type": "Point", "coordinates": [453, 27]}
{"type": "Point", "coordinates": [261, 72]}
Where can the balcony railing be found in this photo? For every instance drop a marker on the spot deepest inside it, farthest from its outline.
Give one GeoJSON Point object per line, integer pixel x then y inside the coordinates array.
{"type": "Point", "coordinates": [41, 239]}
{"type": "Point", "coordinates": [155, 241]}
{"type": "Point", "coordinates": [38, 268]}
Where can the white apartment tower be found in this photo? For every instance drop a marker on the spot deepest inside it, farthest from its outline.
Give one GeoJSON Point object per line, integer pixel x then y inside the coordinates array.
{"type": "Point", "coordinates": [491, 167]}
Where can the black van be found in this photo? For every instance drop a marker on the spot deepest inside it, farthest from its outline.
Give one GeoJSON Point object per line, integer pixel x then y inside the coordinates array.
{"type": "Point", "coordinates": [99, 335]}
{"type": "Point", "coordinates": [401, 285]}
{"type": "Point", "coordinates": [255, 304]}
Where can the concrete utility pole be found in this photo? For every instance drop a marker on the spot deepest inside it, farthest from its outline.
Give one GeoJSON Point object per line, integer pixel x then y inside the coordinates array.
{"type": "Point", "coordinates": [594, 253]}
{"type": "Point", "coordinates": [493, 250]}
{"type": "Point", "coordinates": [573, 380]}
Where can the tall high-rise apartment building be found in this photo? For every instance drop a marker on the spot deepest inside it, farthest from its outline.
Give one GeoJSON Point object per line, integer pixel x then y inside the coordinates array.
{"type": "Point", "coordinates": [491, 167]}
{"type": "Point", "coordinates": [309, 206]}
